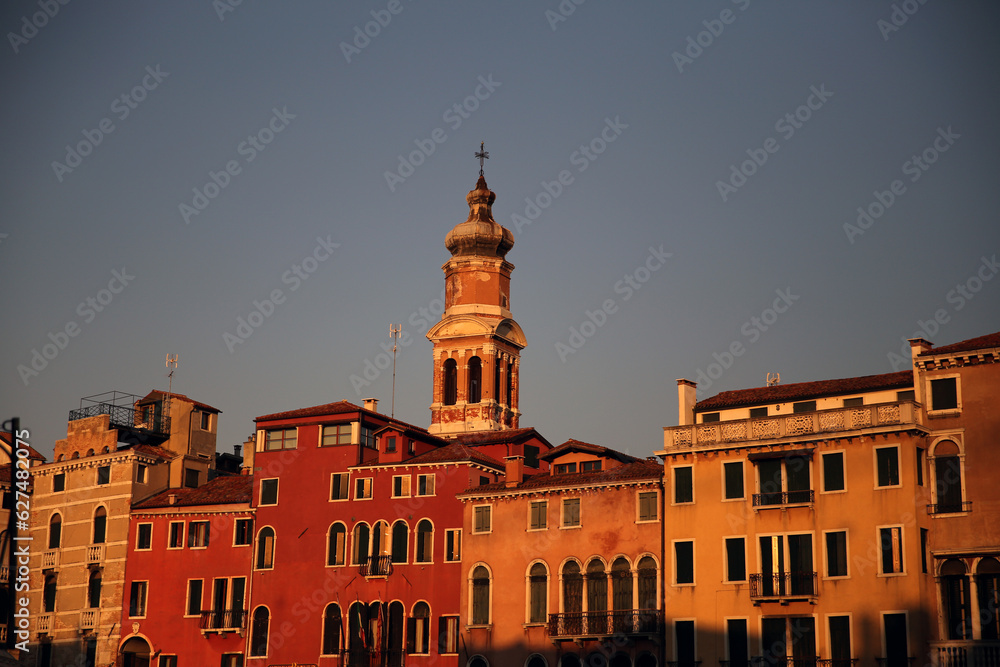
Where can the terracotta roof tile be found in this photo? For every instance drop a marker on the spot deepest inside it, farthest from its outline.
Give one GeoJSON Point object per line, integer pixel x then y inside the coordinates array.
{"type": "Point", "coordinates": [151, 450]}
{"type": "Point", "coordinates": [453, 452]}
{"type": "Point", "coordinates": [805, 390]}
{"type": "Point", "coordinates": [32, 452]}
{"type": "Point", "coordinates": [513, 435]}
{"type": "Point", "coordinates": [981, 343]}
{"type": "Point", "coordinates": [227, 490]}
{"type": "Point", "coordinates": [156, 395]}
{"type": "Point", "coordinates": [640, 469]}
{"type": "Point", "coordinates": [572, 445]}
{"type": "Point", "coordinates": [335, 408]}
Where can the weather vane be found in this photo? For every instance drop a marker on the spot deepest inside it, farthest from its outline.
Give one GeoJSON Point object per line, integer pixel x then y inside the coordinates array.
{"type": "Point", "coordinates": [482, 155]}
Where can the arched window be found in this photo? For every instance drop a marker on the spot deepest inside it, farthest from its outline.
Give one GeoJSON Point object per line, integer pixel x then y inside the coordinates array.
{"type": "Point", "coordinates": [535, 660]}
{"type": "Point", "coordinates": [647, 583]}
{"type": "Point", "coordinates": [450, 382]}
{"type": "Point", "coordinates": [331, 629]}
{"type": "Point", "coordinates": [597, 597]}
{"type": "Point", "coordinates": [480, 596]}
{"type": "Point", "coordinates": [948, 477]}
{"type": "Point", "coordinates": [538, 584]}
{"type": "Point", "coordinates": [357, 629]}
{"type": "Point", "coordinates": [988, 581]}
{"type": "Point", "coordinates": [572, 581]}
{"type": "Point", "coordinates": [425, 541]}
{"type": "Point", "coordinates": [955, 596]}
{"type": "Point", "coordinates": [94, 590]}
{"type": "Point", "coordinates": [376, 625]}
{"type": "Point", "coordinates": [359, 546]}
{"type": "Point", "coordinates": [49, 594]}
{"type": "Point", "coordinates": [479, 661]}
{"type": "Point", "coordinates": [394, 633]}
{"type": "Point", "coordinates": [475, 380]}
{"type": "Point", "coordinates": [400, 541]}
{"type": "Point", "coordinates": [100, 525]}
{"type": "Point", "coordinates": [265, 549]}
{"type": "Point", "coordinates": [258, 634]}
{"type": "Point", "coordinates": [497, 365]}
{"type": "Point", "coordinates": [570, 660]}
{"type": "Point", "coordinates": [510, 383]}
{"type": "Point", "coordinates": [337, 546]}
{"type": "Point", "coordinates": [380, 539]}
{"type": "Point", "coordinates": [597, 659]}
{"type": "Point", "coordinates": [419, 631]}
{"type": "Point", "coordinates": [621, 584]}
{"type": "Point", "coordinates": [620, 660]}
{"type": "Point", "coordinates": [55, 531]}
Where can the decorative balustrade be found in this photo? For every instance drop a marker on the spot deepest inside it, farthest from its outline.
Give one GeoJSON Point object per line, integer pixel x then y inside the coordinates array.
{"type": "Point", "coordinates": [377, 566]}
{"type": "Point", "coordinates": [43, 623]}
{"type": "Point", "coordinates": [966, 653]}
{"type": "Point", "coordinates": [950, 508]}
{"type": "Point", "coordinates": [791, 426]}
{"type": "Point", "coordinates": [95, 553]}
{"type": "Point", "coordinates": [776, 498]}
{"type": "Point", "coordinates": [89, 619]}
{"type": "Point", "coordinates": [224, 619]}
{"type": "Point", "coordinates": [782, 585]}
{"type": "Point", "coordinates": [50, 560]}
{"type": "Point", "coordinates": [604, 623]}
{"type": "Point", "coordinates": [4, 574]}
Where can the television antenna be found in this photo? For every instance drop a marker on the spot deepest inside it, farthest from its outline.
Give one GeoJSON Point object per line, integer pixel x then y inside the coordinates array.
{"type": "Point", "coordinates": [773, 380]}
{"type": "Point", "coordinates": [171, 364]}
{"type": "Point", "coordinates": [394, 330]}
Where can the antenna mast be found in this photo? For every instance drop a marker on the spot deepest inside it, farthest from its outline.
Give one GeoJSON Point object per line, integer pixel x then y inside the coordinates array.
{"type": "Point", "coordinates": [394, 330]}
{"type": "Point", "coordinates": [171, 364]}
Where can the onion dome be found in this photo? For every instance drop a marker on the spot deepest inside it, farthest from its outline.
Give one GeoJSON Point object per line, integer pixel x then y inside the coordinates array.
{"type": "Point", "coordinates": [480, 235]}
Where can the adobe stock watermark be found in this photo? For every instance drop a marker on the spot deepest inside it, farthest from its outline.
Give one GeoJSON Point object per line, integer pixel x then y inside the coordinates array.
{"type": "Point", "coordinates": [956, 299]}
{"type": "Point", "coordinates": [454, 115]}
{"type": "Point", "coordinates": [87, 310]}
{"type": "Point", "coordinates": [420, 319]}
{"type": "Point", "coordinates": [751, 330]}
{"type": "Point", "coordinates": [786, 125]}
{"type": "Point", "coordinates": [294, 277]}
{"type": "Point", "coordinates": [914, 168]}
{"type": "Point", "coordinates": [122, 107]}
{"type": "Point", "coordinates": [629, 284]}
{"type": "Point", "coordinates": [31, 26]}
{"type": "Point", "coordinates": [898, 17]}
{"type": "Point", "coordinates": [249, 149]}
{"type": "Point", "coordinates": [714, 28]}
{"type": "Point", "coordinates": [372, 29]}
{"type": "Point", "coordinates": [223, 7]}
{"type": "Point", "coordinates": [581, 158]}
{"type": "Point", "coordinates": [562, 12]}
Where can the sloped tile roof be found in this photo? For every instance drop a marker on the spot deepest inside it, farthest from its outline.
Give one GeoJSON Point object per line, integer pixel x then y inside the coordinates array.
{"type": "Point", "coordinates": [157, 395]}
{"type": "Point", "coordinates": [456, 452]}
{"type": "Point", "coordinates": [498, 437]}
{"type": "Point", "coordinates": [226, 490]}
{"type": "Point", "coordinates": [980, 343]}
{"type": "Point", "coordinates": [640, 469]}
{"type": "Point", "coordinates": [572, 445]}
{"type": "Point", "coordinates": [335, 408]}
{"type": "Point", "coordinates": [151, 450]}
{"type": "Point", "coordinates": [32, 452]}
{"type": "Point", "coordinates": [805, 390]}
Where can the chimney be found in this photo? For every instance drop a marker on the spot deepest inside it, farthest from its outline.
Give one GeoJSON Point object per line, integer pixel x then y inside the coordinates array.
{"type": "Point", "coordinates": [172, 499]}
{"type": "Point", "coordinates": [917, 347]}
{"type": "Point", "coordinates": [686, 398]}
{"type": "Point", "coordinates": [236, 449]}
{"type": "Point", "coordinates": [371, 404]}
{"type": "Point", "coordinates": [515, 470]}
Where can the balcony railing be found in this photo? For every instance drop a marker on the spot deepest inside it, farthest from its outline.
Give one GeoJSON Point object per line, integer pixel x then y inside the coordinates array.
{"type": "Point", "coordinates": [782, 585]}
{"type": "Point", "coordinates": [603, 623]}
{"type": "Point", "coordinates": [223, 620]}
{"type": "Point", "coordinates": [966, 653]}
{"type": "Point", "coordinates": [950, 508]}
{"type": "Point", "coordinates": [377, 566]}
{"type": "Point", "coordinates": [4, 574]}
{"type": "Point", "coordinates": [821, 422]}
{"type": "Point", "coordinates": [43, 624]}
{"type": "Point", "coordinates": [837, 662]}
{"type": "Point", "coordinates": [120, 407]}
{"type": "Point", "coordinates": [777, 498]}
{"type": "Point", "coordinates": [50, 560]}
{"type": "Point", "coordinates": [95, 553]}
{"type": "Point", "coordinates": [89, 619]}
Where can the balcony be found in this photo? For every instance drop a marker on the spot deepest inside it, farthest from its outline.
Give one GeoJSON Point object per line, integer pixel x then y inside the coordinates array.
{"type": "Point", "coordinates": [605, 623]}
{"type": "Point", "coordinates": [89, 618]}
{"type": "Point", "coordinates": [874, 418]}
{"type": "Point", "coordinates": [4, 574]}
{"type": "Point", "coordinates": [377, 566]}
{"type": "Point", "coordinates": [43, 623]}
{"type": "Point", "coordinates": [966, 653]}
{"type": "Point", "coordinates": [223, 620]}
{"type": "Point", "coordinates": [50, 559]}
{"type": "Point", "coordinates": [949, 508]}
{"type": "Point", "coordinates": [778, 498]}
{"type": "Point", "coordinates": [782, 586]}
{"type": "Point", "coordinates": [121, 408]}
{"type": "Point", "coordinates": [95, 554]}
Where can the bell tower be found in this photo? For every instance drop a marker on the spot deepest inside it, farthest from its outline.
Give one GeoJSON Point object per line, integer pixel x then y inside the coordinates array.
{"type": "Point", "coordinates": [477, 344]}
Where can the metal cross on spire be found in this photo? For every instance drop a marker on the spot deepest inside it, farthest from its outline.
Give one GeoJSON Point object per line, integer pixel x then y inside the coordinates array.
{"type": "Point", "coordinates": [482, 154]}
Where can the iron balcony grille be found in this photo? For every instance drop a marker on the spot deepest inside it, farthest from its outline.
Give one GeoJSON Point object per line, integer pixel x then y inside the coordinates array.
{"type": "Point", "coordinates": [782, 585]}
{"type": "Point", "coordinates": [967, 653]}
{"type": "Point", "coordinates": [224, 619]}
{"type": "Point", "coordinates": [783, 498]}
{"type": "Point", "coordinates": [377, 566]}
{"type": "Point", "coordinates": [782, 661]}
{"type": "Point", "coordinates": [950, 508]}
{"type": "Point", "coordinates": [837, 662]}
{"type": "Point", "coordinates": [602, 623]}
{"type": "Point", "coordinates": [123, 413]}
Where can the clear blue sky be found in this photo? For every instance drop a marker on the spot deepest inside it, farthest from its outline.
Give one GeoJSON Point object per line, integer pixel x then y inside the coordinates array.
{"type": "Point", "coordinates": [652, 109]}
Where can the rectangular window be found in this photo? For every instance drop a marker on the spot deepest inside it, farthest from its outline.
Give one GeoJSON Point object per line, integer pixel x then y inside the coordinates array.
{"type": "Point", "coordinates": [836, 554]}
{"type": "Point", "coordinates": [530, 456]}
{"type": "Point", "coordinates": [684, 562]}
{"type": "Point", "coordinates": [538, 515]}
{"type": "Point", "coordinates": [103, 475]}
{"type": "Point", "coordinates": [232, 660]}
{"type": "Point", "coordinates": [140, 474]}
{"type": "Point", "coordinates": [686, 646]}
{"type": "Point", "coordinates": [891, 543]}
{"type": "Point", "coordinates": [854, 402]}
{"type": "Point", "coordinates": [194, 597]}
{"type": "Point", "coordinates": [191, 478]}
{"type": "Point", "coordinates": [920, 466]}
{"type": "Point", "coordinates": [482, 517]}
{"type": "Point", "coordinates": [425, 485]}
{"type": "Point", "coordinates": [282, 438]}
{"type": "Point", "coordinates": [733, 473]}
{"type": "Point", "coordinates": [833, 471]}
{"type": "Point", "coordinates": [483, 481]}
{"type": "Point", "coordinates": [448, 635]}
{"type": "Point", "coordinates": [335, 434]}
{"type": "Point", "coordinates": [783, 481]}
{"type": "Point", "coordinates": [390, 444]}
{"type": "Point", "coordinates": [59, 482]}
{"type": "Point", "coordinates": [710, 417]}
{"type": "Point", "coordinates": [736, 566]}
{"type": "Point", "coordinates": [683, 485]}
{"type": "Point", "coordinates": [804, 406]}
{"type": "Point", "coordinates": [243, 533]}
{"type": "Point", "coordinates": [887, 462]}
{"type": "Point", "coordinates": [137, 600]}
{"type": "Point", "coordinates": [564, 468]}
{"type": "Point", "coordinates": [923, 550]}
{"type": "Point", "coordinates": [269, 491]}
{"type": "Point", "coordinates": [175, 538]}
{"type": "Point", "coordinates": [401, 486]}
{"type": "Point", "coordinates": [944, 394]}
{"type": "Point", "coordinates": [340, 484]}
{"type": "Point", "coordinates": [758, 413]}
{"type": "Point", "coordinates": [198, 534]}
{"type": "Point", "coordinates": [453, 545]}
{"type": "Point", "coordinates": [168, 661]}
{"type": "Point", "coordinates": [906, 395]}
{"type": "Point", "coordinates": [363, 488]}
{"type": "Point", "coordinates": [648, 509]}
{"type": "Point", "coordinates": [570, 512]}
{"type": "Point", "coordinates": [367, 437]}
{"type": "Point", "coordinates": [840, 640]}
{"type": "Point", "coordinates": [144, 537]}
{"type": "Point", "coordinates": [591, 466]}
{"type": "Point", "coordinates": [206, 421]}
